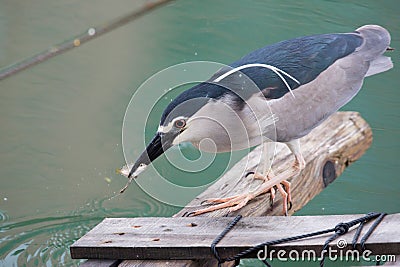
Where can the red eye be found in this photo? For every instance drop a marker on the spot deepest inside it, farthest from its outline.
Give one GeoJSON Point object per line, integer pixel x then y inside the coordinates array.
{"type": "Point", "coordinates": [180, 123]}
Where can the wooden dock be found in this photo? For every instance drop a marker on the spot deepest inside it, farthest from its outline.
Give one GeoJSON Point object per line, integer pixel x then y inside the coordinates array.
{"type": "Point", "coordinates": [189, 238]}
{"type": "Point", "coordinates": [327, 150]}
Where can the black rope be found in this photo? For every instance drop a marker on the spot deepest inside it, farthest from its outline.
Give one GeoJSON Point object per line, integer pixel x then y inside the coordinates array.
{"type": "Point", "coordinates": [357, 234]}
{"type": "Point", "coordinates": [219, 238]}
{"type": "Point", "coordinates": [339, 229]}
{"type": "Point", "coordinates": [371, 229]}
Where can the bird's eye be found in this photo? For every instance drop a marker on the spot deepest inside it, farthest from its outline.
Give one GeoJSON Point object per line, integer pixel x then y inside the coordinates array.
{"type": "Point", "coordinates": [180, 123]}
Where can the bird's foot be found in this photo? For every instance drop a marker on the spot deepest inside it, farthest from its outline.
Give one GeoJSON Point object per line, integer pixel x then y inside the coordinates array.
{"type": "Point", "coordinates": [237, 202]}
{"type": "Point", "coordinates": [233, 203]}
{"type": "Point", "coordinates": [283, 188]}
{"type": "Point", "coordinates": [265, 178]}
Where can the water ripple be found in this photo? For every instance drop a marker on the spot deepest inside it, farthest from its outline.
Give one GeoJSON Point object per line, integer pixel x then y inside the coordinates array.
{"type": "Point", "coordinates": [3, 216]}
{"type": "Point", "coordinates": [42, 241]}
{"type": "Point", "coordinates": [45, 241]}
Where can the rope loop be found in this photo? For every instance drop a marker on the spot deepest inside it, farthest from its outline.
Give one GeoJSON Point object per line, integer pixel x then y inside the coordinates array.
{"type": "Point", "coordinates": [342, 228]}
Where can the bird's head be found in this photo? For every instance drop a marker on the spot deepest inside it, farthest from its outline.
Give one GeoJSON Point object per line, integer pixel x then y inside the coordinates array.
{"type": "Point", "coordinates": [204, 115]}
{"type": "Point", "coordinates": [175, 120]}
{"type": "Point", "coordinates": [165, 137]}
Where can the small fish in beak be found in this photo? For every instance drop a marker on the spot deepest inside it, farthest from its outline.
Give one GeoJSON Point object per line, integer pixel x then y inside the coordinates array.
{"type": "Point", "coordinates": [125, 170]}
{"type": "Point", "coordinates": [157, 146]}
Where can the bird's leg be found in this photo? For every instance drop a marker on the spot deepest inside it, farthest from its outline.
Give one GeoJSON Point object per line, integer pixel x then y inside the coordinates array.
{"type": "Point", "coordinates": [268, 174]}
{"type": "Point", "coordinates": [269, 181]}
{"type": "Point", "coordinates": [299, 162]}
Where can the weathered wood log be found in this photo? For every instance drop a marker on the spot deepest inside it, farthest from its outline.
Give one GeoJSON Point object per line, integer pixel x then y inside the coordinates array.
{"type": "Point", "coordinates": [190, 238]}
{"type": "Point", "coordinates": [327, 150]}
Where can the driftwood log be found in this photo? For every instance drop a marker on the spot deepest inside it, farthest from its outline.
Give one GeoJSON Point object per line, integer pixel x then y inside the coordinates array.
{"type": "Point", "coordinates": [327, 150]}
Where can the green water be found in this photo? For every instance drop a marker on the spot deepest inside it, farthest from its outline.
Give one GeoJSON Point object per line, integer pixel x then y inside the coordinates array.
{"type": "Point", "coordinates": [61, 121]}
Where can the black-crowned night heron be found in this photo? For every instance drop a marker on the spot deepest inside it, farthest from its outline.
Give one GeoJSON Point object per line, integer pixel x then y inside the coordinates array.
{"type": "Point", "coordinates": [278, 93]}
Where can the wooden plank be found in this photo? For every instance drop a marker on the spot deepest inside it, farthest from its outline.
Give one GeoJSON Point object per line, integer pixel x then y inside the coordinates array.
{"type": "Point", "coordinates": [162, 263]}
{"type": "Point", "coordinates": [190, 238]}
{"type": "Point", "coordinates": [101, 263]}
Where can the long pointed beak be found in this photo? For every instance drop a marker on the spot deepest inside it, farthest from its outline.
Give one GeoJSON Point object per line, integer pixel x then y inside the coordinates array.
{"type": "Point", "coordinates": [157, 146]}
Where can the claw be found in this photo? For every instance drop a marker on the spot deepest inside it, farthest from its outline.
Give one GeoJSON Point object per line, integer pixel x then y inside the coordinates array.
{"type": "Point", "coordinates": [189, 214]}
{"type": "Point", "coordinates": [184, 215]}
{"type": "Point", "coordinates": [204, 201]}
{"type": "Point", "coordinates": [249, 173]}
{"type": "Point", "coordinates": [290, 205]}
